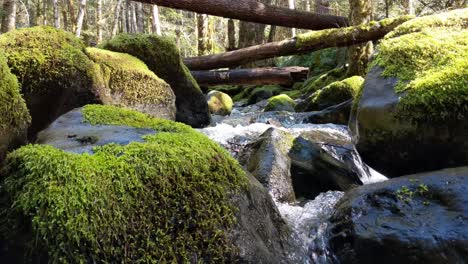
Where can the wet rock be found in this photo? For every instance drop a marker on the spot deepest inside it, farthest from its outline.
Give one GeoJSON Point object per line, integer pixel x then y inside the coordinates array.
{"type": "Point", "coordinates": [71, 134]}
{"type": "Point", "coordinates": [337, 114]}
{"type": "Point", "coordinates": [219, 103]}
{"type": "Point", "coordinates": [420, 218]}
{"type": "Point", "coordinates": [270, 164]}
{"type": "Point", "coordinates": [412, 115]}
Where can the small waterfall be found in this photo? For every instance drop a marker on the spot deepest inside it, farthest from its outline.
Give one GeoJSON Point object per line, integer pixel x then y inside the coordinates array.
{"type": "Point", "coordinates": [308, 219]}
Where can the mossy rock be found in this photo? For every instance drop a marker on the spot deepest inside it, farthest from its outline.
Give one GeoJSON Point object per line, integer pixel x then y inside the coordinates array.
{"type": "Point", "coordinates": [280, 102]}
{"type": "Point", "coordinates": [219, 103]}
{"type": "Point", "coordinates": [14, 115]}
{"type": "Point", "coordinates": [128, 82]}
{"type": "Point", "coordinates": [263, 92]}
{"type": "Point", "coordinates": [318, 82]}
{"type": "Point", "coordinates": [162, 57]}
{"type": "Point", "coordinates": [164, 199]}
{"type": "Point", "coordinates": [55, 74]}
{"type": "Point", "coordinates": [333, 94]}
{"type": "Point", "coordinates": [414, 105]}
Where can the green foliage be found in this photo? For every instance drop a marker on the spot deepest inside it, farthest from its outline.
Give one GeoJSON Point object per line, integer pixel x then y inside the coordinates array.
{"type": "Point", "coordinates": [160, 54]}
{"type": "Point", "coordinates": [280, 102]}
{"type": "Point", "coordinates": [46, 59]}
{"type": "Point", "coordinates": [14, 115]}
{"type": "Point", "coordinates": [335, 93]}
{"type": "Point", "coordinates": [129, 77]}
{"type": "Point", "coordinates": [164, 200]}
{"type": "Point", "coordinates": [219, 103]}
{"type": "Point", "coordinates": [316, 83]}
{"type": "Point", "coordinates": [431, 65]}
{"type": "Point", "coordinates": [319, 62]}
{"type": "Point", "coordinates": [407, 194]}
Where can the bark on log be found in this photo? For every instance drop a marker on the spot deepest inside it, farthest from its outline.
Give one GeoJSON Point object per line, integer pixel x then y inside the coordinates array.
{"type": "Point", "coordinates": [259, 76]}
{"type": "Point", "coordinates": [253, 11]}
{"type": "Point", "coordinates": [312, 41]}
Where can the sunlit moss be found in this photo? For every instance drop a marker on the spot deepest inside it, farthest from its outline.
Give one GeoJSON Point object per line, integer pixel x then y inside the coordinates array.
{"type": "Point", "coordinates": [280, 102]}
{"type": "Point", "coordinates": [160, 201]}
{"type": "Point", "coordinates": [219, 103]}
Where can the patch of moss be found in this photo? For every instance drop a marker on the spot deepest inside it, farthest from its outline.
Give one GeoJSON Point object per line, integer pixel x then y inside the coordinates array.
{"type": "Point", "coordinates": [294, 94]}
{"type": "Point", "coordinates": [14, 115]}
{"type": "Point", "coordinates": [219, 103]}
{"type": "Point", "coordinates": [280, 102]}
{"type": "Point", "coordinates": [130, 78]}
{"type": "Point", "coordinates": [316, 83]}
{"type": "Point", "coordinates": [431, 65]}
{"type": "Point", "coordinates": [263, 92]}
{"type": "Point", "coordinates": [44, 57]}
{"type": "Point", "coordinates": [164, 200]}
{"type": "Point", "coordinates": [335, 93]}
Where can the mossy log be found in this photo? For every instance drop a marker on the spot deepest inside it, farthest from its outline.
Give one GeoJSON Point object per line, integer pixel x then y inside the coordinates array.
{"type": "Point", "coordinates": [257, 76]}
{"type": "Point", "coordinates": [253, 11]}
{"type": "Point", "coordinates": [317, 40]}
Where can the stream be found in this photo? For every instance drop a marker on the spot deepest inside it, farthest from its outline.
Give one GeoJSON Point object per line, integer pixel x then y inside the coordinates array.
{"type": "Point", "coordinates": [307, 218]}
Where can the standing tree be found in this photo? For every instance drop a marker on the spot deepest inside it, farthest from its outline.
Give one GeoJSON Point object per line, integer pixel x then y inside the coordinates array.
{"type": "Point", "coordinates": [55, 4]}
{"type": "Point", "coordinates": [202, 33]}
{"type": "Point", "coordinates": [231, 35]}
{"type": "Point", "coordinates": [9, 18]}
{"type": "Point", "coordinates": [99, 21]}
{"type": "Point", "coordinates": [360, 12]}
{"type": "Point", "coordinates": [156, 21]}
{"type": "Point", "coordinates": [79, 20]}
{"type": "Point", "coordinates": [292, 5]}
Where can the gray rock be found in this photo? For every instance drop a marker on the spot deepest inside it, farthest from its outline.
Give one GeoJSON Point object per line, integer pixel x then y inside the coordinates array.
{"type": "Point", "coordinates": [413, 219]}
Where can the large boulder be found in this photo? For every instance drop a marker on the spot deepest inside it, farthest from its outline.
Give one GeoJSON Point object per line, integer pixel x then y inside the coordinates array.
{"type": "Point", "coordinates": [280, 102]}
{"type": "Point", "coordinates": [414, 219]}
{"type": "Point", "coordinates": [127, 81]}
{"type": "Point", "coordinates": [163, 58]}
{"type": "Point", "coordinates": [54, 72]}
{"type": "Point", "coordinates": [14, 115]}
{"type": "Point", "coordinates": [412, 115]}
{"type": "Point", "coordinates": [111, 184]}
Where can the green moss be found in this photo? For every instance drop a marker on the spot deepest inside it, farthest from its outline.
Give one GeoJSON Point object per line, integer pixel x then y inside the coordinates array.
{"type": "Point", "coordinates": [263, 92]}
{"type": "Point", "coordinates": [318, 38]}
{"type": "Point", "coordinates": [219, 103]}
{"type": "Point", "coordinates": [44, 59]}
{"type": "Point", "coordinates": [160, 201]}
{"type": "Point", "coordinates": [280, 102]}
{"type": "Point", "coordinates": [431, 65]}
{"type": "Point", "coordinates": [130, 78]}
{"type": "Point", "coordinates": [14, 115]}
{"type": "Point", "coordinates": [294, 94]}
{"type": "Point", "coordinates": [335, 93]}
{"type": "Point", "coordinates": [316, 83]}
{"type": "Point", "coordinates": [160, 54]}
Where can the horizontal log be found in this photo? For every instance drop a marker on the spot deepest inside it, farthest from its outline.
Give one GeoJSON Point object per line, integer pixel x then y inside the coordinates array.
{"type": "Point", "coordinates": [312, 41]}
{"type": "Point", "coordinates": [259, 76]}
{"type": "Point", "coordinates": [253, 11]}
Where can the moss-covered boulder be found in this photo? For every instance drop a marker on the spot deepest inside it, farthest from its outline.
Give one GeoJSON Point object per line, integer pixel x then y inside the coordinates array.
{"type": "Point", "coordinates": [219, 103]}
{"type": "Point", "coordinates": [260, 93]}
{"type": "Point", "coordinates": [280, 102]}
{"type": "Point", "coordinates": [162, 57]}
{"type": "Point", "coordinates": [14, 115]}
{"type": "Point", "coordinates": [318, 82]}
{"type": "Point", "coordinates": [155, 191]}
{"type": "Point", "coordinates": [412, 115]}
{"type": "Point", "coordinates": [128, 82]}
{"type": "Point", "coordinates": [54, 72]}
{"type": "Point", "coordinates": [332, 94]}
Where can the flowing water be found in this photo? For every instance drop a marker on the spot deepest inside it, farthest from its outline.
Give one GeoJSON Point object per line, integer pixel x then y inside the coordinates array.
{"type": "Point", "coordinates": [308, 219]}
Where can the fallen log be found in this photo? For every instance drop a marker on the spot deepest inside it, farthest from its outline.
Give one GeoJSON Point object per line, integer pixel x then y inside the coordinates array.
{"type": "Point", "coordinates": [312, 41]}
{"type": "Point", "coordinates": [253, 11]}
{"type": "Point", "coordinates": [259, 76]}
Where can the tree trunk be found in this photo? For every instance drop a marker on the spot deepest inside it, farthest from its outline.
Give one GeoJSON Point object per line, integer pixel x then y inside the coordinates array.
{"type": "Point", "coordinates": [99, 21]}
{"type": "Point", "coordinates": [254, 11]}
{"type": "Point", "coordinates": [202, 34]}
{"type": "Point", "coordinates": [156, 21]}
{"type": "Point", "coordinates": [292, 6]}
{"type": "Point", "coordinates": [116, 18]}
{"type": "Point", "coordinates": [134, 18]}
{"type": "Point", "coordinates": [79, 20]}
{"type": "Point", "coordinates": [231, 35]}
{"type": "Point", "coordinates": [259, 76]}
{"type": "Point", "coordinates": [302, 43]}
{"type": "Point", "coordinates": [360, 13]}
{"type": "Point", "coordinates": [44, 12]}
{"type": "Point", "coordinates": [308, 6]}
{"type": "Point", "coordinates": [322, 7]}
{"type": "Point", "coordinates": [9, 18]}
{"type": "Point", "coordinates": [55, 4]}
{"type": "Point", "coordinates": [140, 18]}
{"type": "Point", "coordinates": [71, 10]}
